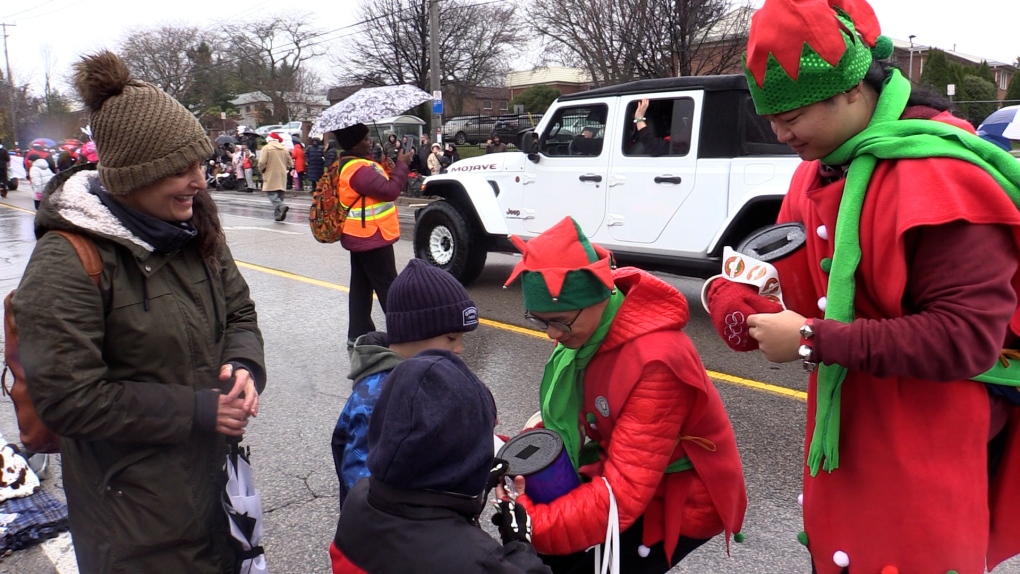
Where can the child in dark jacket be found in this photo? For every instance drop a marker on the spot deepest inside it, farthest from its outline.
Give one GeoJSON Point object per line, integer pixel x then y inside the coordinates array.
{"type": "Point", "coordinates": [426, 309]}
{"type": "Point", "coordinates": [430, 442]}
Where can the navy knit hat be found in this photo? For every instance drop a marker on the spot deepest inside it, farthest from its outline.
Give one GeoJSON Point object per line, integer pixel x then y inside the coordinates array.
{"type": "Point", "coordinates": [432, 427]}
{"type": "Point", "coordinates": [425, 302]}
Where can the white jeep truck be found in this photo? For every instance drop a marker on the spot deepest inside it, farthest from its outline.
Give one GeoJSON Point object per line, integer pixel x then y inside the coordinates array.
{"type": "Point", "coordinates": [711, 174]}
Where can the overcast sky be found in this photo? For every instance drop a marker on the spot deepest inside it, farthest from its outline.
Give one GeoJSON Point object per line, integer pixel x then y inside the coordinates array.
{"type": "Point", "coordinates": [984, 28]}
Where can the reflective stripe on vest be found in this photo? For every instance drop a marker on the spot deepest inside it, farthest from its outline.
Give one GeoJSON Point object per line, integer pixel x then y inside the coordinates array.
{"type": "Point", "coordinates": [376, 211]}
{"type": "Point", "coordinates": [367, 216]}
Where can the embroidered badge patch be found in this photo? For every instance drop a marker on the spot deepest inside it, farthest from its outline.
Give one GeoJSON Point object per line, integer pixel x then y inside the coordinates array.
{"type": "Point", "coordinates": [470, 316]}
{"type": "Point", "coordinates": [602, 406]}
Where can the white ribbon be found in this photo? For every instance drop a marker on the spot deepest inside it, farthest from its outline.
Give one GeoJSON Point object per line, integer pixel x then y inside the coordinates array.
{"type": "Point", "coordinates": [612, 544]}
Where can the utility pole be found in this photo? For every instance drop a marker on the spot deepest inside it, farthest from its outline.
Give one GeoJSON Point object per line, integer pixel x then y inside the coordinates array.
{"type": "Point", "coordinates": [910, 67]}
{"type": "Point", "coordinates": [435, 83]}
{"type": "Point", "coordinates": [10, 82]}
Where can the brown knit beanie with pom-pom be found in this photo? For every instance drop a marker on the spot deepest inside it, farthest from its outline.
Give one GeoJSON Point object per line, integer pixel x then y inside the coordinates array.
{"type": "Point", "coordinates": [142, 134]}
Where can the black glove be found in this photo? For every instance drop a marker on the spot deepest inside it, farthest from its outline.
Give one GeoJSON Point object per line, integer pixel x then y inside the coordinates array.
{"type": "Point", "coordinates": [499, 468]}
{"type": "Point", "coordinates": [513, 522]}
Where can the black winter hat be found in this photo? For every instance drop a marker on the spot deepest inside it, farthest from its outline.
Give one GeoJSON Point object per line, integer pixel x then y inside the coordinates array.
{"type": "Point", "coordinates": [425, 302]}
{"type": "Point", "coordinates": [432, 427]}
{"type": "Point", "coordinates": [350, 136]}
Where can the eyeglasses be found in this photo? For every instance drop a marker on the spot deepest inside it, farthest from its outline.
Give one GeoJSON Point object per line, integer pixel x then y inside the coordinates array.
{"type": "Point", "coordinates": [563, 326]}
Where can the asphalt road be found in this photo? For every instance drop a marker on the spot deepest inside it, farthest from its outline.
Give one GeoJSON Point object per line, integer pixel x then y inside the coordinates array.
{"type": "Point", "coordinates": [299, 287]}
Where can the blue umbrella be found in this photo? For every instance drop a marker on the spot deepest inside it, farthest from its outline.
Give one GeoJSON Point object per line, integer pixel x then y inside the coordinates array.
{"type": "Point", "coordinates": [1001, 127]}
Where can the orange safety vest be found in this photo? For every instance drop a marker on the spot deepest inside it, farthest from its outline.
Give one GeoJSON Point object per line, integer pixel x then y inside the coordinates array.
{"type": "Point", "coordinates": [366, 215]}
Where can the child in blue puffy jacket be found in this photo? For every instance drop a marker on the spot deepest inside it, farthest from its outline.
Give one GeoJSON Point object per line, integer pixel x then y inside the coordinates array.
{"type": "Point", "coordinates": [426, 309]}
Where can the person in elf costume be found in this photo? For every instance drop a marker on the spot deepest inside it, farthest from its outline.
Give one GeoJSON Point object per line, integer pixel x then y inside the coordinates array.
{"type": "Point", "coordinates": [912, 241]}
{"type": "Point", "coordinates": [625, 376]}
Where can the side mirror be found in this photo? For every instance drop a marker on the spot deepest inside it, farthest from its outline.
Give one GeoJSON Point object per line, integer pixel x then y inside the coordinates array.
{"type": "Point", "coordinates": [524, 141]}
{"type": "Point", "coordinates": [527, 144]}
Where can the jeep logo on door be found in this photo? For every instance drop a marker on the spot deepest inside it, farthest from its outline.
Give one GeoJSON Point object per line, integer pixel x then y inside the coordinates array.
{"type": "Point", "coordinates": [513, 212]}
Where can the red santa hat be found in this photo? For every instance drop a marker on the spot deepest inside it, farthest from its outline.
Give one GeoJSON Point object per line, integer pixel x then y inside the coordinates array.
{"type": "Point", "coordinates": [276, 136]}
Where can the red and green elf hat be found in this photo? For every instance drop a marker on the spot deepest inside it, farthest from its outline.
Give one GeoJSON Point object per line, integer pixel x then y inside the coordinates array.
{"type": "Point", "coordinates": [562, 271]}
{"type": "Point", "coordinates": [804, 51]}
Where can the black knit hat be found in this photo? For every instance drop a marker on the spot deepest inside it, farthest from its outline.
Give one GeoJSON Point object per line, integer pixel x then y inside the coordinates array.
{"type": "Point", "coordinates": [425, 302]}
{"type": "Point", "coordinates": [432, 427]}
{"type": "Point", "coordinates": [350, 136]}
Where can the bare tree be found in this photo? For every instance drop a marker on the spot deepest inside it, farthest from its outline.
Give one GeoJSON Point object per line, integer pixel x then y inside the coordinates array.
{"type": "Point", "coordinates": [602, 36]}
{"type": "Point", "coordinates": [160, 56]}
{"type": "Point", "coordinates": [272, 54]}
{"type": "Point", "coordinates": [476, 42]}
{"type": "Point", "coordinates": [49, 61]}
{"type": "Point", "coordinates": [622, 40]}
{"type": "Point", "coordinates": [702, 37]}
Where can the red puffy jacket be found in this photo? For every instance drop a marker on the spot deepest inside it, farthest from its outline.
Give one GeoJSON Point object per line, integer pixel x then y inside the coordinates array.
{"type": "Point", "coordinates": [651, 403]}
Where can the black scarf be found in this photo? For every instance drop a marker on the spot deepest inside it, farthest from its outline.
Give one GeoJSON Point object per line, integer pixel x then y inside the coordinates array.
{"type": "Point", "coordinates": [163, 236]}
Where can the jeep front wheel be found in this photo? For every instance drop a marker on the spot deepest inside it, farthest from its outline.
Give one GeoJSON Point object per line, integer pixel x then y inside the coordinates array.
{"type": "Point", "coordinates": [445, 238]}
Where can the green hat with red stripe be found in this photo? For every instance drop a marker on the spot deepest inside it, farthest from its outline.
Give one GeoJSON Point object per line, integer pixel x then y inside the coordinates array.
{"type": "Point", "coordinates": [561, 270]}
{"type": "Point", "coordinates": [804, 51]}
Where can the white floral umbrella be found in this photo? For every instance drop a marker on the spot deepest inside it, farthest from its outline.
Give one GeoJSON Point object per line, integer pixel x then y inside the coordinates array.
{"type": "Point", "coordinates": [370, 104]}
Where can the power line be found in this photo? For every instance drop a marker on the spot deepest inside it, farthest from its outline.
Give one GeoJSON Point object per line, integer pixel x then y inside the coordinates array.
{"type": "Point", "coordinates": [62, 8]}
{"type": "Point", "coordinates": [36, 7]}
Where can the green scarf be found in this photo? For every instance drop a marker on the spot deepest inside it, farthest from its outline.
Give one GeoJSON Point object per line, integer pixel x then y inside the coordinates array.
{"type": "Point", "coordinates": [886, 137]}
{"type": "Point", "coordinates": [562, 390]}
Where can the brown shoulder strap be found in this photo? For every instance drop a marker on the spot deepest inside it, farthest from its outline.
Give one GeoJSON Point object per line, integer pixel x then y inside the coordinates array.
{"type": "Point", "coordinates": [87, 252]}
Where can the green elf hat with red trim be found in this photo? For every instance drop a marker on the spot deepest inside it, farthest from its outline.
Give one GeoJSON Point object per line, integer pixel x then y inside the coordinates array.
{"type": "Point", "coordinates": [562, 271]}
{"type": "Point", "coordinates": [804, 51]}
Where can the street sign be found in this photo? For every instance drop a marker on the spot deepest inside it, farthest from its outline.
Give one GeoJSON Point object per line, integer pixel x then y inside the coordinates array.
{"type": "Point", "coordinates": [437, 107]}
{"type": "Point", "coordinates": [437, 95]}
{"type": "Point", "coordinates": [223, 115]}
{"type": "Point", "coordinates": [951, 90]}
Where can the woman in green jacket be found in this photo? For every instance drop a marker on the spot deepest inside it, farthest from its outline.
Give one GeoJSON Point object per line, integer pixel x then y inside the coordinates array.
{"type": "Point", "coordinates": [147, 375]}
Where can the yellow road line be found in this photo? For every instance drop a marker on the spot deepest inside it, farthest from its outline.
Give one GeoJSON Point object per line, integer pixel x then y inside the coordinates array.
{"type": "Point", "coordinates": [775, 389]}
{"type": "Point", "coordinates": [9, 206]}
{"type": "Point", "coordinates": [757, 385]}
{"type": "Point", "coordinates": [288, 275]}
{"type": "Point", "coordinates": [514, 329]}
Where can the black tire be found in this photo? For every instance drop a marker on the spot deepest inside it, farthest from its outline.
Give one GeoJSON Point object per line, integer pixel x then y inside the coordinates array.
{"type": "Point", "coordinates": [460, 138]}
{"type": "Point", "coordinates": [445, 238]}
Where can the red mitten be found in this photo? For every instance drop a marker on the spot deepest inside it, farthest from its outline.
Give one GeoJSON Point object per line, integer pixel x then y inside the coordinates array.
{"type": "Point", "coordinates": [729, 306]}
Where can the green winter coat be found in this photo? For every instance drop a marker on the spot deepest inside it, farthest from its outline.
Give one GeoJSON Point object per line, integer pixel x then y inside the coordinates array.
{"type": "Point", "coordinates": [118, 382]}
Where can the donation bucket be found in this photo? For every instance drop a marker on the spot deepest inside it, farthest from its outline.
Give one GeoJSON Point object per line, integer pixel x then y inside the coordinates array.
{"type": "Point", "coordinates": [782, 245]}
{"type": "Point", "coordinates": [538, 455]}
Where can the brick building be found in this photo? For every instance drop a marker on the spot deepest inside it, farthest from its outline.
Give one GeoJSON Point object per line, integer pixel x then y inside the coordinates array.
{"type": "Point", "coordinates": [911, 57]}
